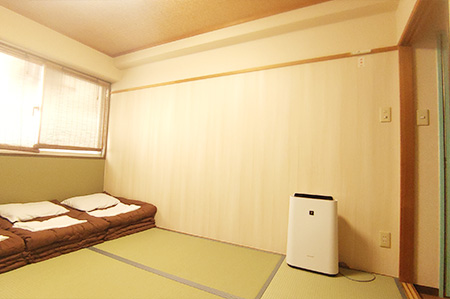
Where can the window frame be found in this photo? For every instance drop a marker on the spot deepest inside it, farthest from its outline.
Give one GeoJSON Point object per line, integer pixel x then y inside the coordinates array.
{"type": "Point", "coordinates": [58, 151]}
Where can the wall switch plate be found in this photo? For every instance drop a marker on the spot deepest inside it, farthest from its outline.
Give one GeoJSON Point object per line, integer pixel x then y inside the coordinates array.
{"type": "Point", "coordinates": [385, 114]}
{"type": "Point", "coordinates": [423, 118]}
{"type": "Point", "coordinates": [385, 239]}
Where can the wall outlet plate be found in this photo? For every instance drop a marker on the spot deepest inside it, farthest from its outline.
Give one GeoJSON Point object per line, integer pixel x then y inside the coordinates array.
{"type": "Point", "coordinates": [385, 239]}
{"type": "Point", "coordinates": [361, 62]}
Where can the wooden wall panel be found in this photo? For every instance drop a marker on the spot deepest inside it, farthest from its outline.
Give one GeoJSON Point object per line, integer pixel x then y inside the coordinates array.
{"type": "Point", "coordinates": [219, 157]}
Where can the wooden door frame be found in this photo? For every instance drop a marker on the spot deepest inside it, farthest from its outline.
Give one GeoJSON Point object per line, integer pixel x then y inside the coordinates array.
{"type": "Point", "coordinates": [408, 142]}
{"type": "Point", "coordinates": [444, 169]}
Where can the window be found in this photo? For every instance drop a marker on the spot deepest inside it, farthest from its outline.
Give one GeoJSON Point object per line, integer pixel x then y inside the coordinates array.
{"type": "Point", "coordinates": [44, 106]}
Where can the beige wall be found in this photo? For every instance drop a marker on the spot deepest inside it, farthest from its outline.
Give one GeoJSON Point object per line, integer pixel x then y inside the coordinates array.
{"type": "Point", "coordinates": [329, 28]}
{"type": "Point", "coordinates": [312, 17]}
{"type": "Point", "coordinates": [27, 178]}
{"type": "Point", "coordinates": [220, 157]}
{"type": "Point", "coordinates": [427, 170]}
{"type": "Point", "coordinates": [30, 36]}
{"type": "Point", "coordinates": [373, 30]}
{"type": "Point", "coordinates": [403, 13]}
{"type": "Point", "coordinates": [427, 151]}
{"type": "Point", "coordinates": [336, 27]}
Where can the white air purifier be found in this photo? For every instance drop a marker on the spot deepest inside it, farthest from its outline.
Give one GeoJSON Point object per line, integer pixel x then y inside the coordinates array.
{"type": "Point", "coordinates": [313, 233]}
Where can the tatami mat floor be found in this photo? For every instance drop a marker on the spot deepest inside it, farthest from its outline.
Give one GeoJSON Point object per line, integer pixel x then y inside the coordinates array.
{"type": "Point", "coordinates": [162, 264]}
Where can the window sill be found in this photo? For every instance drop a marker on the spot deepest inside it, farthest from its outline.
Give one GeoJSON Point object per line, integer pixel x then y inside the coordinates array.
{"type": "Point", "coordinates": [55, 153]}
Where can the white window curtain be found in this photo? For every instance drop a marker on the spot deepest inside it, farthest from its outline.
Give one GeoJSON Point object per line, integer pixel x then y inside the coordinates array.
{"type": "Point", "coordinates": [72, 112]}
{"type": "Point", "coordinates": [46, 106]}
{"type": "Point", "coordinates": [20, 99]}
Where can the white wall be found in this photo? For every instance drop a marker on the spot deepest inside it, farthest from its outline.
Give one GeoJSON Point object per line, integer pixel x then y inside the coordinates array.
{"type": "Point", "coordinates": [404, 11]}
{"type": "Point", "coordinates": [427, 170]}
{"type": "Point", "coordinates": [327, 29]}
{"type": "Point", "coordinates": [427, 148]}
{"type": "Point", "coordinates": [30, 36]}
{"type": "Point", "coordinates": [220, 157]}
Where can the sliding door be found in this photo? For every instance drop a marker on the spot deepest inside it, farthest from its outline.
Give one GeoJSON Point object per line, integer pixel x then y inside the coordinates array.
{"type": "Point", "coordinates": [444, 135]}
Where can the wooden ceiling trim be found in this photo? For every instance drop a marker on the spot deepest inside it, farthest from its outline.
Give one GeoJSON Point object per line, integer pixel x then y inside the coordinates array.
{"type": "Point", "coordinates": [262, 68]}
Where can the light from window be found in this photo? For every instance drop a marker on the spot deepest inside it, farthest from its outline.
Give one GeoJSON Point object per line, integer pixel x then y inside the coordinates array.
{"type": "Point", "coordinates": [45, 106]}
{"type": "Point", "coordinates": [72, 113]}
{"type": "Point", "coordinates": [20, 100]}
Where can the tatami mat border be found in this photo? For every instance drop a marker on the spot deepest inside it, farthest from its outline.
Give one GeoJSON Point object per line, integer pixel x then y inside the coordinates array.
{"type": "Point", "coordinates": [166, 275]}
{"type": "Point", "coordinates": [271, 276]}
{"type": "Point", "coordinates": [269, 279]}
{"type": "Point", "coordinates": [219, 241]}
{"type": "Point", "coordinates": [191, 283]}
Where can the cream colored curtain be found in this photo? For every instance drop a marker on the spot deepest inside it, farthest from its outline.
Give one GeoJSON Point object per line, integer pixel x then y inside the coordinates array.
{"type": "Point", "coordinates": [220, 157]}
{"type": "Point", "coordinates": [44, 105]}
{"type": "Point", "coordinates": [20, 98]}
{"type": "Point", "coordinates": [72, 112]}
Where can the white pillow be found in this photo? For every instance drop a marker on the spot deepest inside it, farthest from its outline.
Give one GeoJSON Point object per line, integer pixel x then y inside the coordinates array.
{"type": "Point", "coordinates": [91, 202]}
{"type": "Point", "coordinates": [26, 211]}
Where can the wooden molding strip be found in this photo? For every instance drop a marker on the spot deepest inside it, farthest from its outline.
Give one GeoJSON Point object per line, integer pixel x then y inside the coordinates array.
{"type": "Point", "coordinates": [410, 290]}
{"type": "Point", "coordinates": [262, 68]}
{"type": "Point", "coordinates": [420, 10]}
{"type": "Point", "coordinates": [407, 164]}
{"type": "Point", "coordinates": [18, 148]}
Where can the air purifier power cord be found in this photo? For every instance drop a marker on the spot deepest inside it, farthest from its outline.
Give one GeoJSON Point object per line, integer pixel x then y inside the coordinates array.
{"type": "Point", "coordinates": [344, 266]}
{"type": "Point", "coordinates": [372, 278]}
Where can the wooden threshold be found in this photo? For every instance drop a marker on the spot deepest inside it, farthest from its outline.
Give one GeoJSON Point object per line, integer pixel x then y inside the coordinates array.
{"type": "Point", "coordinates": [410, 291]}
{"type": "Point", "coordinates": [407, 164]}
{"type": "Point", "coordinates": [419, 15]}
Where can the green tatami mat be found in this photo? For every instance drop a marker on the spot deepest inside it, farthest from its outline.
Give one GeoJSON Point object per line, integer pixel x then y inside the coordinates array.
{"type": "Point", "coordinates": [231, 269]}
{"type": "Point", "coordinates": [86, 274]}
{"type": "Point", "coordinates": [291, 283]}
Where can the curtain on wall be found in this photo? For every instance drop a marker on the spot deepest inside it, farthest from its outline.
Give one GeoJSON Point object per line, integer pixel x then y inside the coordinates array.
{"type": "Point", "coordinates": [219, 157]}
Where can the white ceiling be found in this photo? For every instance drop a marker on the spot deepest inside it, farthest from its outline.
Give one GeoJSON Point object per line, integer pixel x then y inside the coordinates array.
{"type": "Point", "coordinates": [117, 27]}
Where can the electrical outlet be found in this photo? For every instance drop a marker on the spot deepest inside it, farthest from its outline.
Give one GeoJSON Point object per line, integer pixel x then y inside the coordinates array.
{"type": "Point", "coordinates": [423, 117]}
{"type": "Point", "coordinates": [385, 239]}
{"type": "Point", "coordinates": [385, 114]}
{"type": "Point", "coordinates": [361, 62]}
